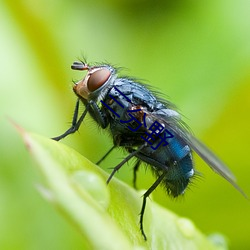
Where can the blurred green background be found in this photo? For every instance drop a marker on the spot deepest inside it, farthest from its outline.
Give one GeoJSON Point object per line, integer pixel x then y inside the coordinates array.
{"type": "Point", "coordinates": [195, 52]}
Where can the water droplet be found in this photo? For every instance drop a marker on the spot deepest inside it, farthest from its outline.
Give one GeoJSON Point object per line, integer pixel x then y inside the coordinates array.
{"type": "Point", "coordinates": [186, 226]}
{"type": "Point", "coordinates": [94, 185]}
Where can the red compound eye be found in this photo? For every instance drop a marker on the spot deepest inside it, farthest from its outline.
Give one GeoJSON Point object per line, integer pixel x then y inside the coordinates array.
{"type": "Point", "coordinates": [97, 79]}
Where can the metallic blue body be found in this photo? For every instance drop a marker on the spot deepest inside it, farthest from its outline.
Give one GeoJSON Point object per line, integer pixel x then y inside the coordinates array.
{"type": "Point", "coordinates": [175, 159]}
{"type": "Point", "coordinates": [130, 110]}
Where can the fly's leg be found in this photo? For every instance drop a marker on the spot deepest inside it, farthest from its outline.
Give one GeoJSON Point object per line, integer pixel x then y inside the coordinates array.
{"type": "Point", "coordinates": [136, 167]}
{"type": "Point", "coordinates": [105, 155]}
{"type": "Point", "coordinates": [145, 196]}
{"type": "Point", "coordinates": [75, 124]}
{"type": "Point", "coordinates": [91, 107]}
{"type": "Point", "coordinates": [97, 114]}
{"type": "Point", "coordinates": [124, 161]}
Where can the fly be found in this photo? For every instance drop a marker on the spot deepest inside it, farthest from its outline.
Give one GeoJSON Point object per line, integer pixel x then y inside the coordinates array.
{"type": "Point", "coordinates": [148, 127]}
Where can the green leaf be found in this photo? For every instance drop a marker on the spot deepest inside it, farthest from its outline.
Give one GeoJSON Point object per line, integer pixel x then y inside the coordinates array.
{"type": "Point", "coordinates": [107, 215]}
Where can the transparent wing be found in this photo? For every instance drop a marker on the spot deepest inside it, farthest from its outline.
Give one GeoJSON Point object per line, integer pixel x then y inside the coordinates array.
{"type": "Point", "coordinates": [172, 121]}
{"type": "Point", "coordinates": [212, 160]}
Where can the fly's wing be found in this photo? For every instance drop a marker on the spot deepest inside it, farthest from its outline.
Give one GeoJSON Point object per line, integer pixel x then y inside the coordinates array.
{"type": "Point", "coordinates": [171, 120]}
{"type": "Point", "coordinates": [212, 160]}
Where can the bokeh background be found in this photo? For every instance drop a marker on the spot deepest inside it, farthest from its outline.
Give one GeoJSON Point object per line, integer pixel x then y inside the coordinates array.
{"type": "Point", "coordinates": [195, 52]}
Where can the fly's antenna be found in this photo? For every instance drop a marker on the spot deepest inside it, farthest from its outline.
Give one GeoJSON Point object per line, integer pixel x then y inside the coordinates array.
{"type": "Point", "coordinates": [80, 66]}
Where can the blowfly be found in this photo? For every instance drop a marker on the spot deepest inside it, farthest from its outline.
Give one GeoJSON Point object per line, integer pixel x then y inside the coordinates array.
{"type": "Point", "coordinates": [148, 127]}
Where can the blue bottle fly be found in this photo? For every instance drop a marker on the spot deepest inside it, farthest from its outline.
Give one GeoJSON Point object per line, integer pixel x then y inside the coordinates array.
{"type": "Point", "coordinates": [148, 127]}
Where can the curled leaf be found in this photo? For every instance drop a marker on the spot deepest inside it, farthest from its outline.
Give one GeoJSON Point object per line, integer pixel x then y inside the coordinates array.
{"type": "Point", "coordinates": [106, 215]}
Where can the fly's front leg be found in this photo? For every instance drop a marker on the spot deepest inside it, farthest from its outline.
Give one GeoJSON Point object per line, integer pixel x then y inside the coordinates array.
{"type": "Point", "coordinates": [75, 123]}
{"type": "Point", "coordinates": [97, 114]}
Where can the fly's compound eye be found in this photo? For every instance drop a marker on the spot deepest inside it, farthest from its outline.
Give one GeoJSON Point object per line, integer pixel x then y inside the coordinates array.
{"type": "Point", "coordinates": [97, 79]}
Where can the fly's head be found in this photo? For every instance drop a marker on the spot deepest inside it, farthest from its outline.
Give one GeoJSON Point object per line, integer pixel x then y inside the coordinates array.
{"type": "Point", "coordinates": [93, 84]}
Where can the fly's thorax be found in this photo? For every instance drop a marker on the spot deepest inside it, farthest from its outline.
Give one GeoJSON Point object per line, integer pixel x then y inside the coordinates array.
{"type": "Point", "coordinates": [95, 84]}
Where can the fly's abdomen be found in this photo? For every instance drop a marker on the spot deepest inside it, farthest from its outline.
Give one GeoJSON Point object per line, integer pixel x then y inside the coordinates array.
{"type": "Point", "coordinates": [174, 160]}
{"type": "Point", "coordinates": [179, 167]}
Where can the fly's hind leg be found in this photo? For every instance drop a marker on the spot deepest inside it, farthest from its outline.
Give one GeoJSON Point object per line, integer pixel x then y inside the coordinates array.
{"type": "Point", "coordinates": [145, 196]}
{"type": "Point", "coordinates": [135, 169]}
